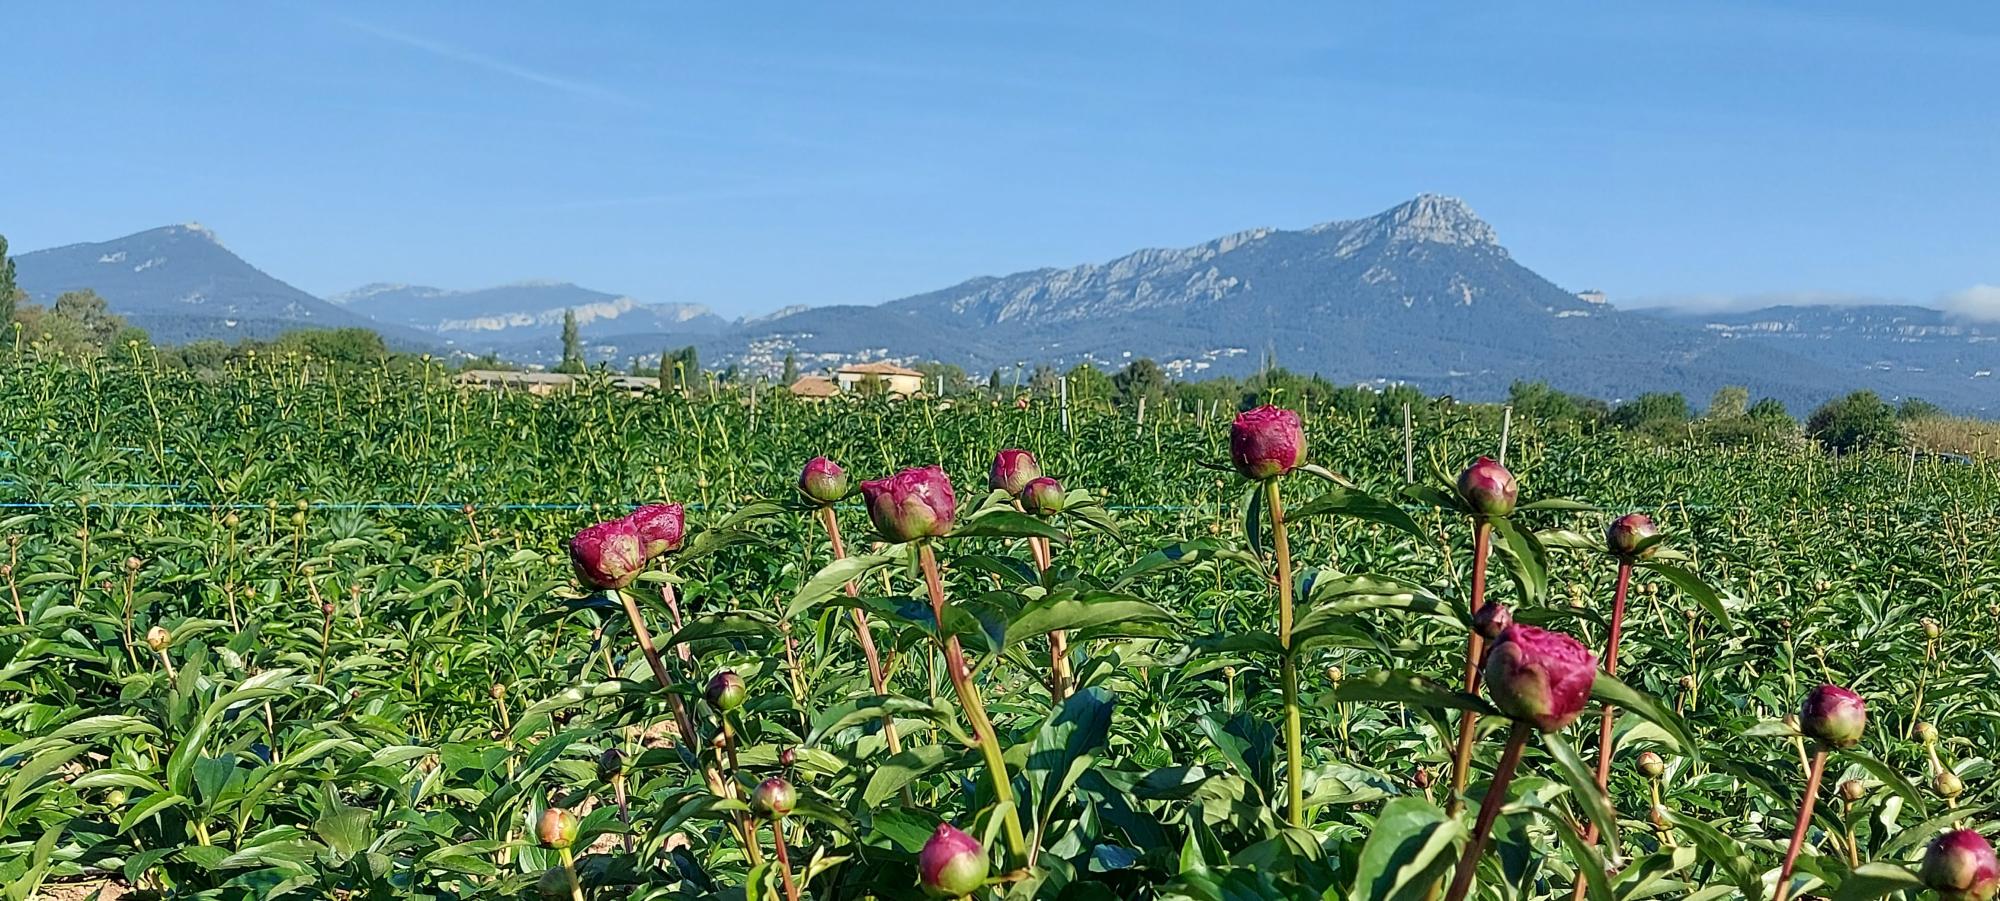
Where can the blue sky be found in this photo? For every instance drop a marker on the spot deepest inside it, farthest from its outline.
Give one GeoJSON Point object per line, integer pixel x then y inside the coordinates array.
{"type": "Point", "coordinates": [750, 156]}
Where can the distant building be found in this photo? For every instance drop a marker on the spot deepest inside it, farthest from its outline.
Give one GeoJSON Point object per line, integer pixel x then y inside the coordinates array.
{"type": "Point", "coordinates": [1591, 295]}
{"type": "Point", "coordinates": [815, 387]}
{"type": "Point", "coordinates": [895, 379]}
{"type": "Point", "coordinates": [546, 383]}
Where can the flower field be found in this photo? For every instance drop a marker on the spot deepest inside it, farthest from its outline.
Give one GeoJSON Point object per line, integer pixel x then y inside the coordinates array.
{"type": "Point", "coordinates": [286, 632]}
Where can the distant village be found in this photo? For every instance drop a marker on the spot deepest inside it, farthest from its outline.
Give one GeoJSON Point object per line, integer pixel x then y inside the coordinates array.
{"type": "Point", "coordinates": [879, 378]}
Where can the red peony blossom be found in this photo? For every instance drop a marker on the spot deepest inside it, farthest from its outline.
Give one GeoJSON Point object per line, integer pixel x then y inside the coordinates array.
{"type": "Point", "coordinates": [912, 504]}
{"type": "Point", "coordinates": [660, 526]}
{"type": "Point", "coordinates": [1488, 488]}
{"type": "Point", "coordinates": [823, 481]}
{"type": "Point", "coordinates": [1266, 443]}
{"type": "Point", "coordinates": [1013, 470]}
{"type": "Point", "coordinates": [608, 555]}
{"type": "Point", "coordinates": [952, 864]}
{"type": "Point", "coordinates": [1834, 717]}
{"type": "Point", "coordinates": [1959, 865]}
{"type": "Point", "coordinates": [1540, 676]}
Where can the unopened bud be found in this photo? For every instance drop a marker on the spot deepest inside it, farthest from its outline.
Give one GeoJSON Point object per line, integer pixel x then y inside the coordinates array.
{"type": "Point", "coordinates": [1651, 765]}
{"type": "Point", "coordinates": [158, 638]}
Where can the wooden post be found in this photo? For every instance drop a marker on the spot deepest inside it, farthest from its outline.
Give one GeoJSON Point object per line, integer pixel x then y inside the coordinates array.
{"type": "Point", "coordinates": [1409, 449]}
{"type": "Point", "coordinates": [1506, 429]}
{"type": "Point", "coordinates": [1142, 412]}
{"type": "Point", "coordinates": [1064, 391]}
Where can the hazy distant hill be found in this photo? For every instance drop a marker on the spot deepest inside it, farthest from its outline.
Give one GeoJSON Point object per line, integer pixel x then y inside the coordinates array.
{"type": "Point", "coordinates": [180, 284]}
{"type": "Point", "coordinates": [524, 317]}
{"type": "Point", "coordinates": [1421, 293]}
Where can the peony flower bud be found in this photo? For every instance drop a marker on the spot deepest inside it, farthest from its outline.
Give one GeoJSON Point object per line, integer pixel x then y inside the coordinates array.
{"type": "Point", "coordinates": [1488, 488]}
{"type": "Point", "coordinates": [774, 798]}
{"type": "Point", "coordinates": [610, 764]}
{"type": "Point", "coordinates": [1491, 620]}
{"type": "Point", "coordinates": [823, 481]}
{"type": "Point", "coordinates": [1927, 733]}
{"type": "Point", "coordinates": [1959, 865]}
{"type": "Point", "coordinates": [912, 504]}
{"type": "Point", "coordinates": [158, 638]}
{"type": "Point", "coordinates": [1266, 443]}
{"type": "Point", "coordinates": [1012, 471]}
{"type": "Point", "coordinates": [608, 555]}
{"type": "Point", "coordinates": [556, 829]}
{"type": "Point", "coordinates": [1662, 821]}
{"type": "Point", "coordinates": [1651, 765]}
{"type": "Point", "coordinates": [660, 527]}
{"type": "Point", "coordinates": [1627, 536]}
{"type": "Point", "coordinates": [1853, 790]}
{"type": "Point", "coordinates": [952, 864]}
{"type": "Point", "coordinates": [1043, 497]}
{"type": "Point", "coordinates": [788, 757]}
{"type": "Point", "coordinates": [1540, 676]}
{"type": "Point", "coordinates": [1931, 628]}
{"type": "Point", "coordinates": [726, 691]}
{"type": "Point", "coordinates": [1947, 785]}
{"type": "Point", "coordinates": [1834, 717]}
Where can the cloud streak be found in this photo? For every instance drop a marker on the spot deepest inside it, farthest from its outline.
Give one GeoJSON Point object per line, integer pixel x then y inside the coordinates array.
{"type": "Point", "coordinates": [476, 59]}
{"type": "Point", "coordinates": [1980, 303]}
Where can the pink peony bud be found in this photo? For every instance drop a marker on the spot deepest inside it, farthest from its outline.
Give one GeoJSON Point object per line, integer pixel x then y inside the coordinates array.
{"type": "Point", "coordinates": [608, 555]}
{"type": "Point", "coordinates": [1834, 717]}
{"type": "Point", "coordinates": [1013, 470]}
{"type": "Point", "coordinates": [1492, 620]}
{"type": "Point", "coordinates": [1627, 536]}
{"type": "Point", "coordinates": [556, 829]}
{"type": "Point", "coordinates": [1043, 497]}
{"type": "Point", "coordinates": [660, 527]}
{"type": "Point", "coordinates": [952, 864]}
{"type": "Point", "coordinates": [1266, 443]}
{"type": "Point", "coordinates": [823, 481]}
{"type": "Point", "coordinates": [726, 691]}
{"type": "Point", "coordinates": [1540, 676]}
{"type": "Point", "coordinates": [1959, 865]}
{"type": "Point", "coordinates": [1488, 488]}
{"type": "Point", "coordinates": [912, 504]}
{"type": "Point", "coordinates": [774, 798]}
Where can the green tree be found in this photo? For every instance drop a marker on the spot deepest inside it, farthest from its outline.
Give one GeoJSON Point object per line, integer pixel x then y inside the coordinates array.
{"type": "Point", "coordinates": [9, 291]}
{"type": "Point", "coordinates": [680, 370]}
{"type": "Point", "coordinates": [1142, 378]}
{"type": "Point", "coordinates": [572, 346]}
{"type": "Point", "coordinates": [1044, 382]}
{"type": "Point", "coordinates": [1918, 408]}
{"type": "Point", "coordinates": [1771, 412]}
{"type": "Point", "coordinates": [1729, 402]}
{"type": "Point", "coordinates": [1858, 421]}
{"type": "Point", "coordinates": [791, 368]}
{"type": "Point", "coordinates": [993, 383]}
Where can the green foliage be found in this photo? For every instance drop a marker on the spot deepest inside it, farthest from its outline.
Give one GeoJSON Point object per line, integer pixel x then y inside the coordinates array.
{"type": "Point", "coordinates": [1861, 420]}
{"type": "Point", "coordinates": [10, 292]}
{"type": "Point", "coordinates": [1918, 408]}
{"type": "Point", "coordinates": [360, 750]}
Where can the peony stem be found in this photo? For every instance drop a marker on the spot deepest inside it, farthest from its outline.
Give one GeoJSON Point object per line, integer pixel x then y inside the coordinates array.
{"type": "Point", "coordinates": [1605, 717]}
{"type": "Point", "coordinates": [1059, 672]}
{"type": "Point", "coordinates": [1799, 828]}
{"type": "Point", "coordinates": [876, 679]}
{"type": "Point", "coordinates": [1489, 807]}
{"type": "Point", "coordinates": [975, 709]}
{"type": "Point", "coordinates": [1281, 548]}
{"type": "Point", "coordinates": [569, 869]}
{"type": "Point", "coordinates": [1475, 647]}
{"type": "Point", "coordinates": [645, 636]}
{"type": "Point", "coordinates": [784, 860]}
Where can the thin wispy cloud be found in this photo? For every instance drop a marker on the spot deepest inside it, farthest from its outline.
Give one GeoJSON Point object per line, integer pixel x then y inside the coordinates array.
{"type": "Point", "coordinates": [459, 54]}
{"type": "Point", "coordinates": [1731, 303]}
{"type": "Point", "coordinates": [1980, 303]}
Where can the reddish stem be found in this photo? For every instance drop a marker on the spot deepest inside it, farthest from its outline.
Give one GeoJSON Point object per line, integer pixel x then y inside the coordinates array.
{"type": "Point", "coordinates": [1489, 807]}
{"type": "Point", "coordinates": [1475, 649]}
{"type": "Point", "coordinates": [1604, 748]}
{"type": "Point", "coordinates": [876, 677]}
{"type": "Point", "coordinates": [784, 860]}
{"type": "Point", "coordinates": [1799, 828]}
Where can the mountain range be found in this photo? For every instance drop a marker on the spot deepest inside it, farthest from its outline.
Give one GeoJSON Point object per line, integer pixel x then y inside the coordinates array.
{"type": "Point", "coordinates": [1422, 293]}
